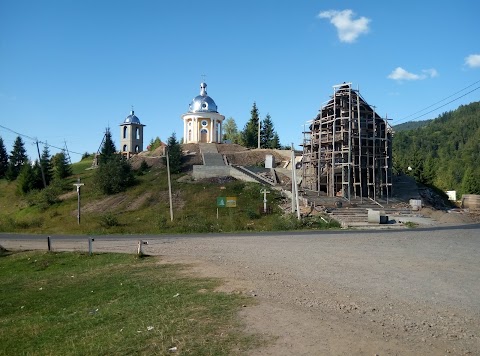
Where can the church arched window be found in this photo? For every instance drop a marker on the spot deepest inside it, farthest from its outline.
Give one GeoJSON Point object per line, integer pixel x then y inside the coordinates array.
{"type": "Point", "coordinates": [137, 133]}
{"type": "Point", "coordinates": [124, 148]}
{"type": "Point", "coordinates": [124, 131]}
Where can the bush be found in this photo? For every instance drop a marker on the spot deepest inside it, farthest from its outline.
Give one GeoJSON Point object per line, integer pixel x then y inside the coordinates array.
{"type": "Point", "coordinates": [108, 220]}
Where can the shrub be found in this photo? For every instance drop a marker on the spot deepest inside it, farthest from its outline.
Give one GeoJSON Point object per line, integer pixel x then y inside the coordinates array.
{"type": "Point", "coordinates": [108, 220]}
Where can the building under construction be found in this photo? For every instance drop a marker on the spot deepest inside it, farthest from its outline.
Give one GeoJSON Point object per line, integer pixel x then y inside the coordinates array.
{"type": "Point", "coordinates": [348, 150]}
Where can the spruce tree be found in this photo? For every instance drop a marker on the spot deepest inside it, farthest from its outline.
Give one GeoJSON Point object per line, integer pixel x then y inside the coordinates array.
{"type": "Point", "coordinates": [18, 157]}
{"type": "Point", "coordinates": [26, 179]}
{"type": "Point", "coordinates": [267, 134]}
{"type": "Point", "coordinates": [108, 150]}
{"type": "Point", "coordinates": [250, 132]}
{"type": "Point", "coordinates": [61, 168]}
{"type": "Point", "coordinates": [174, 154]}
{"type": "Point", "coordinates": [3, 159]}
{"type": "Point", "coordinates": [46, 162]}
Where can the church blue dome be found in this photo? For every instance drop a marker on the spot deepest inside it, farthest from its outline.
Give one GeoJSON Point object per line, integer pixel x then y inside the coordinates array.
{"type": "Point", "coordinates": [202, 102]}
{"type": "Point", "coordinates": [131, 119]}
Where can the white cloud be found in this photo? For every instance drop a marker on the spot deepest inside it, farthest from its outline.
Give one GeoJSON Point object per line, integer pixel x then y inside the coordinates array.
{"type": "Point", "coordinates": [473, 60]}
{"type": "Point", "coordinates": [401, 74]}
{"type": "Point", "coordinates": [348, 29]}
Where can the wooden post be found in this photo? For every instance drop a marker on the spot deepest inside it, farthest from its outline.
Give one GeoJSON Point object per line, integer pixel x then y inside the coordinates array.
{"type": "Point", "coordinates": [49, 244]}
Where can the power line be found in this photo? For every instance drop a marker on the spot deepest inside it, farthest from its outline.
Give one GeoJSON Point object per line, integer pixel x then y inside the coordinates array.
{"type": "Point", "coordinates": [441, 106]}
{"type": "Point", "coordinates": [428, 107]}
{"type": "Point", "coordinates": [36, 140]}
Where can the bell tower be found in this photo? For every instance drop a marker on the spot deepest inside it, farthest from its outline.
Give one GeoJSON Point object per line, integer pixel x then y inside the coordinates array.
{"type": "Point", "coordinates": [131, 135]}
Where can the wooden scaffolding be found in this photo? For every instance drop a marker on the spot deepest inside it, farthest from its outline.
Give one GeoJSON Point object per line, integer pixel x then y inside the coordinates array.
{"type": "Point", "coordinates": [348, 150]}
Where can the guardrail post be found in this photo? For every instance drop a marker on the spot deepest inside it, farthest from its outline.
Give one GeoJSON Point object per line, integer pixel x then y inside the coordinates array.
{"type": "Point", "coordinates": [139, 248]}
{"type": "Point", "coordinates": [90, 246]}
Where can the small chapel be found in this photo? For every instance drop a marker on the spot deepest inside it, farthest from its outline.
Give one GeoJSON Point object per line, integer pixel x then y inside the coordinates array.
{"type": "Point", "coordinates": [202, 123]}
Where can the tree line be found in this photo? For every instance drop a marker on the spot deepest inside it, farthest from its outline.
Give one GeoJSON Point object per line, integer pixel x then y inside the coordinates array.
{"type": "Point", "coordinates": [32, 175]}
{"type": "Point", "coordinates": [249, 136]}
{"type": "Point", "coordinates": [444, 153]}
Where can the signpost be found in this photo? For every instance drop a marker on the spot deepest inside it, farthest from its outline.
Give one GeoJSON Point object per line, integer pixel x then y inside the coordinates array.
{"type": "Point", "coordinates": [226, 202]}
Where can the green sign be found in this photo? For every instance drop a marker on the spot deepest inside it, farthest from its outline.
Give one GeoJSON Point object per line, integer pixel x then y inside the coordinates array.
{"type": "Point", "coordinates": [221, 202]}
{"type": "Point", "coordinates": [226, 202]}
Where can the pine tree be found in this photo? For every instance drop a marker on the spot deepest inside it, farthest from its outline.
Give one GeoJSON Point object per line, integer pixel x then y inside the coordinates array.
{"type": "Point", "coordinates": [250, 132]}
{"type": "Point", "coordinates": [18, 158]}
{"type": "Point", "coordinates": [174, 154]}
{"type": "Point", "coordinates": [471, 181]}
{"type": "Point", "coordinates": [46, 162]}
{"type": "Point", "coordinates": [61, 168]}
{"type": "Point", "coordinates": [26, 179]}
{"type": "Point", "coordinates": [108, 150]}
{"type": "Point", "coordinates": [3, 159]}
{"type": "Point", "coordinates": [267, 134]}
{"type": "Point", "coordinates": [37, 174]}
{"type": "Point", "coordinates": [276, 142]}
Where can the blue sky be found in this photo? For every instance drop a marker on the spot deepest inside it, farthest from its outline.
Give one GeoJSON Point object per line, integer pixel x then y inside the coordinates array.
{"type": "Point", "coordinates": [70, 68]}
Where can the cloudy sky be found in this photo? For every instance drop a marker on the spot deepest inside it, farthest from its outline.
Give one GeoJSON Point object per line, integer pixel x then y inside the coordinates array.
{"type": "Point", "coordinates": [71, 68]}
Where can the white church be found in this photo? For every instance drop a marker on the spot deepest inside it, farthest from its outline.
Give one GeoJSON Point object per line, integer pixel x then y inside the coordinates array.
{"type": "Point", "coordinates": [202, 123]}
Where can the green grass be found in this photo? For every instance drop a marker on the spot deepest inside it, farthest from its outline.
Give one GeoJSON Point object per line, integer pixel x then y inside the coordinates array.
{"type": "Point", "coordinates": [112, 304]}
{"type": "Point", "coordinates": [194, 208]}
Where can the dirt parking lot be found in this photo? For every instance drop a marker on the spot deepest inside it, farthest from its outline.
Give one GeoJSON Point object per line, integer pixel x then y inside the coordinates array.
{"type": "Point", "coordinates": [412, 292]}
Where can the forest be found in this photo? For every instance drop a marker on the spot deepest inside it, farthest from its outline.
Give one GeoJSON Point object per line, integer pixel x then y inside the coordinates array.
{"type": "Point", "coordinates": [443, 153]}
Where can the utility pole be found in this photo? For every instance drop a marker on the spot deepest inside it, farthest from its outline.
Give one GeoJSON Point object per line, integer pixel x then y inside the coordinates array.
{"type": "Point", "coordinates": [78, 185]}
{"type": "Point", "coordinates": [258, 144]}
{"type": "Point", "coordinates": [169, 185]}
{"type": "Point", "coordinates": [295, 204]}
{"type": "Point", "coordinates": [41, 166]}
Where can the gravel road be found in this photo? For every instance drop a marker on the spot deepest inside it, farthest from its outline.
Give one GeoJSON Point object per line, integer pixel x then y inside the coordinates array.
{"type": "Point", "coordinates": [411, 292]}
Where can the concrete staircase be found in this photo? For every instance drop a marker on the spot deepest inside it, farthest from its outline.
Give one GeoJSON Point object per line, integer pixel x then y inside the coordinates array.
{"type": "Point", "coordinates": [210, 155]}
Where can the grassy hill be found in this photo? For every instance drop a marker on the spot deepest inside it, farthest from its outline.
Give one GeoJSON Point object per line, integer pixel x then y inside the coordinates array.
{"type": "Point", "coordinates": [144, 208]}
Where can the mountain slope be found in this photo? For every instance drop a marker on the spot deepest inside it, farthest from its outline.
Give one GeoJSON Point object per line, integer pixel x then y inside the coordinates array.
{"type": "Point", "coordinates": [445, 152]}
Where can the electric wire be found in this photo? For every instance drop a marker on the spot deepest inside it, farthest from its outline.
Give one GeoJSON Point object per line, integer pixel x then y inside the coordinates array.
{"type": "Point", "coordinates": [36, 140]}
{"type": "Point", "coordinates": [438, 102]}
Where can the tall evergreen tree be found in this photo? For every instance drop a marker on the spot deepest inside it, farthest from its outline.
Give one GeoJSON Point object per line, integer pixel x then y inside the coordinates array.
{"type": "Point", "coordinates": [276, 141]}
{"type": "Point", "coordinates": [37, 174]}
{"type": "Point", "coordinates": [18, 157]}
{"type": "Point", "coordinates": [174, 154]}
{"type": "Point", "coordinates": [471, 181]}
{"type": "Point", "coordinates": [250, 132]}
{"type": "Point", "coordinates": [3, 159]}
{"type": "Point", "coordinates": [26, 179]}
{"type": "Point", "coordinates": [46, 162]}
{"type": "Point", "coordinates": [108, 150]}
{"type": "Point", "coordinates": [61, 168]}
{"type": "Point", "coordinates": [267, 134]}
